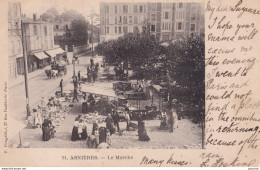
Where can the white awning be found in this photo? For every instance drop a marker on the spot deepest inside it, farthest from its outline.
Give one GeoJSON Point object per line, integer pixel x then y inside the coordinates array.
{"type": "Point", "coordinates": [59, 51]}
{"type": "Point", "coordinates": [54, 52]}
{"type": "Point", "coordinates": [40, 55]}
{"type": "Point", "coordinates": [51, 53]}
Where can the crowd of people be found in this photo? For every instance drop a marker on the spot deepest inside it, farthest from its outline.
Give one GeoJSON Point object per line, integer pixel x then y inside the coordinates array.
{"type": "Point", "coordinates": [102, 134]}
{"type": "Point", "coordinates": [119, 73]}
{"type": "Point", "coordinates": [169, 121]}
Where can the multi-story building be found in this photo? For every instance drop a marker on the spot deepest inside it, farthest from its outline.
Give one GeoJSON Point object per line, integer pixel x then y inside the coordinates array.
{"type": "Point", "coordinates": [119, 18]}
{"type": "Point", "coordinates": [154, 17]}
{"type": "Point", "coordinates": [40, 43]}
{"type": "Point", "coordinates": [167, 20]}
{"type": "Point", "coordinates": [189, 19]}
{"type": "Point", "coordinates": [60, 27]}
{"type": "Point", "coordinates": [14, 38]}
{"type": "Point", "coordinates": [39, 38]}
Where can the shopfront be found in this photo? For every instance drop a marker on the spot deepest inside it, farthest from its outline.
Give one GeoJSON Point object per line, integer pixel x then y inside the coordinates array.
{"type": "Point", "coordinates": [41, 60]}
{"type": "Point", "coordinates": [56, 54]}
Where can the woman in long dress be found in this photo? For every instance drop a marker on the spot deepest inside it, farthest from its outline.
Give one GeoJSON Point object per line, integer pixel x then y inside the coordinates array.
{"type": "Point", "coordinates": [142, 132]}
{"type": "Point", "coordinates": [75, 132]}
{"type": "Point", "coordinates": [46, 131]}
{"type": "Point", "coordinates": [95, 127]}
{"type": "Point", "coordinates": [83, 130]}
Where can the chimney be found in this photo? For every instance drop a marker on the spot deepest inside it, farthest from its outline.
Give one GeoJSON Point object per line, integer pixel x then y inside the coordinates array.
{"type": "Point", "coordinates": [34, 17]}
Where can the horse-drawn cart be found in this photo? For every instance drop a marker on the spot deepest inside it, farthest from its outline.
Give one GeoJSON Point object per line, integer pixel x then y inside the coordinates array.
{"type": "Point", "coordinates": [57, 69]}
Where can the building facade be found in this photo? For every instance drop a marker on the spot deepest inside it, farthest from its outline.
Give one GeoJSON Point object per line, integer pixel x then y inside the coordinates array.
{"type": "Point", "coordinates": [116, 19]}
{"type": "Point", "coordinates": [167, 21]}
{"type": "Point", "coordinates": [14, 38]}
{"type": "Point", "coordinates": [39, 38]}
{"type": "Point", "coordinates": [60, 27]}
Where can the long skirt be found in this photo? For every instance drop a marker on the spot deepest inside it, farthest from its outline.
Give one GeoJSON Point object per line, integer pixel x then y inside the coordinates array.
{"type": "Point", "coordinates": [75, 134]}
{"type": "Point", "coordinates": [84, 134]}
{"type": "Point", "coordinates": [143, 135]}
{"type": "Point", "coordinates": [46, 133]}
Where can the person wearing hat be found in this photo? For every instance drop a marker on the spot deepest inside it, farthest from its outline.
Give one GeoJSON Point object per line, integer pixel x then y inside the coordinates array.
{"type": "Point", "coordinates": [79, 75]}
{"type": "Point", "coordinates": [61, 87]}
{"type": "Point", "coordinates": [109, 123]}
{"type": "Point", "coordinates": [171, 120]}
{"type": "Point", "coordinates": [37, 118]}
{"type": "Point", "coordinates": [75, 95]}
{"type": "Point", "coordinates": [46, 131]}
{"type": "Point", "coordinates": [75, 132]}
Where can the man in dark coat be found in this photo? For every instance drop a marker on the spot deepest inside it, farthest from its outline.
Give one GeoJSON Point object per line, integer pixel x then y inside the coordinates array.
{"type": "Point", "coordinates": [79, 75]}
{"type": "Point", "coordinates": [75, 95]}
{"type": "Point", "coordinates": [109, 123]}
{"type": "Point", "coordinates": [116, 119]}
{"type": "Point", "coordinates": [75, 82]}
{"type": "Point", "coordinates": [171, 121]}
{"type": "Point", "coordinates": [92, 102]}
{"type": "Point", "coordinates": [61, 87]}
{"type": "Point", "coordinates": [102, 134]}
{"type": "Point", "coordinates": [91, 62]}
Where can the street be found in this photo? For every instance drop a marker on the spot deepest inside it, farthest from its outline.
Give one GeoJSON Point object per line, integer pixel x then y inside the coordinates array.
{"type": "Point", "coordinates": [40, 86]}
{"type": "Point", "coordinates": [187, 135]}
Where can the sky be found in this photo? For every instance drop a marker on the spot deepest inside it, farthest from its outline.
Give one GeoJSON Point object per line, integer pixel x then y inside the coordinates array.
{"type": "Point", "coordinates": [29, 7]}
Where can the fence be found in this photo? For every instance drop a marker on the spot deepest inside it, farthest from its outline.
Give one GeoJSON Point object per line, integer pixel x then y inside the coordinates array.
{"type": "Point", "coordinates": [81, 49]}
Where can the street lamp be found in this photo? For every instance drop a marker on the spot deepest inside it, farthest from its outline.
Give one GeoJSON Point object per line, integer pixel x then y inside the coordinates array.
{"type": "Point", "coordinates": [25, 70]}
{"type": "Point", "coordinates": [92, 15]}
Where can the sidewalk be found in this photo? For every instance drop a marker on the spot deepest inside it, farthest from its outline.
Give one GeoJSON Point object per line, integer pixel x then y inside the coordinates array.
{"type": "Point", "coordinates": [20, 78]}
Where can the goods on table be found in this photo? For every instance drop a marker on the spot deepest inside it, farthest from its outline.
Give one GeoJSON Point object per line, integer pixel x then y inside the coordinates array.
{"type": "Point", "coordinates": [55, 111]}
{"type": "Point", "coordinates": [93, 117]}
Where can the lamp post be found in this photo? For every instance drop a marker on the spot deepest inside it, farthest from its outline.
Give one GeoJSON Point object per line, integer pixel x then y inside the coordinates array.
{"type": "Point", "coordinates": [25, 70]}
{"type": "Point", "coordinates": [92, 15]}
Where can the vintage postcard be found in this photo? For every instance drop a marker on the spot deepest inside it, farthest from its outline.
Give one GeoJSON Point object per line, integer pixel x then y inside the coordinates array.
{"type": "Point", "coordinates": [130, 83]}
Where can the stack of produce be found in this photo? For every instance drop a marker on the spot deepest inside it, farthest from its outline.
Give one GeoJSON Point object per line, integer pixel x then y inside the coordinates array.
{"type": "Point", "coordinates": [93, 117]}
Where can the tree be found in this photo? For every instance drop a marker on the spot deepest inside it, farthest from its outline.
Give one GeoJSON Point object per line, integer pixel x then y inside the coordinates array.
{"type": "Point", "coordinates": [135, 49]}
{"type": "Point", "coordinates": [69, 15]}
{"type": "Point", "coordinates": [79, 31]}
{"type": "Point", "coordinates": [185, 64]}
{"type": "Point", "coordinates": [50, 15]}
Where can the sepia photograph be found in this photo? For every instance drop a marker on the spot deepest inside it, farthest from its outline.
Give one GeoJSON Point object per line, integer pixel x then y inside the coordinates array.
{"type": "Point", "coordinates": [110, 75]}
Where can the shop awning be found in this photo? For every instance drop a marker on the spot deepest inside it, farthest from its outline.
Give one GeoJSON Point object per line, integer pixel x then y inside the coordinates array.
{"type": "Point", "coordinates": [51, 53]}
{"type": "Point", "coordinates": [40, 55]}
{"type": "Point", "coordinates": [54, 52]}
{"type": "Point", "coordinates": [59, 50]}
{"type": "Point", "coordinates": [19, 55]}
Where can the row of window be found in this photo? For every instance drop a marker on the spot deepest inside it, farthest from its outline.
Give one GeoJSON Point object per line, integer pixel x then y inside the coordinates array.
{"type": "Point", "coordinates": [122, 20]}
{"type": "Point", "coordinates": [136, 19]}
{"type": "Point", "coordinates": [180, 26]}
{"type": "Point", "coordinates": [36, 44]}
{"type": "Point", "coordinates": [120, 30]}
{"type": "Point", "coordinates": [165, 26]}
{"type": "Point", "coordinates": [140, 8]}
{"type": "Point", "coordinates": [123, 9]}
{"type": "Point", "coordinates": [47, 31]}
{"type": "Point", "coordinates": [60, 27]}
{"type": "Point", "coordinates": [181, 15]}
